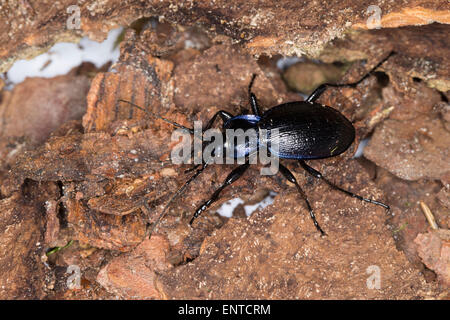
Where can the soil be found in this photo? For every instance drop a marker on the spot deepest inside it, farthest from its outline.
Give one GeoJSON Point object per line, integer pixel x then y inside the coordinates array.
{"type": "Point", "coordinates": [85, 176]}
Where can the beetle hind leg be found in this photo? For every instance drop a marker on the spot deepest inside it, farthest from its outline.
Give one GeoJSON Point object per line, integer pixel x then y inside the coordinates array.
{"type": "Point", "coordinates": [321, 89]}
{"type": "Point", "coordinates": [318, 175]}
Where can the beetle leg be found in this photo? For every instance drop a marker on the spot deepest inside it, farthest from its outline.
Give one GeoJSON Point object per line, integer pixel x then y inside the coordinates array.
{"type": "Point", "coordinates": [252, 97]}
{"type": "Point", "coordinates": [232, 177]}
{"type": "Point", "coordinates": [224, 116]}
{"type": "Point", "coordinates": [318, 92]}
{"type": "Point", "coordinates": [179, 191]}
{"type": "Point", "coordinates": [194, 167]}
{"type": "Point", "coordinates": [290, 177]}
{"type": "Point", "coordinates": [318, 175]}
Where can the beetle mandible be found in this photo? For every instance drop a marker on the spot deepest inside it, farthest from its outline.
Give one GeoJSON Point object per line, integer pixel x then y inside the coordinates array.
{"type": "Point", "coordinates": [306, 130]}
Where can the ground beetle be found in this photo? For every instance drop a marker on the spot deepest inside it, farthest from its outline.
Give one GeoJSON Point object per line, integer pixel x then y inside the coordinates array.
{"type": "Point", "coordinates": [307, 130]}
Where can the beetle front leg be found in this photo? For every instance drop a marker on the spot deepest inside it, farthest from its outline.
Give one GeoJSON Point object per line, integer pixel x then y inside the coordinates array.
{"type": "Point", "coordinates": [232, 177]}
{"type": "Point", "coordinates": [290, 177]}
{"type": "Point", "coordinates": [318, 175]}
{"type": "Point", "coordinates": [224, 116]}
{"type": "Point", "coordinates": [252, 97]}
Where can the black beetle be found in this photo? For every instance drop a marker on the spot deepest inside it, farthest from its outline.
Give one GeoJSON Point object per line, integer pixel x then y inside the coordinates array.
{"type": "Point", "coordinates": [306, 131]}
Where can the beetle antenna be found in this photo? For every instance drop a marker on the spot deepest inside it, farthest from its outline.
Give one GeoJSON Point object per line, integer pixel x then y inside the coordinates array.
{"type": "Point", "coordinates": [175, 124]}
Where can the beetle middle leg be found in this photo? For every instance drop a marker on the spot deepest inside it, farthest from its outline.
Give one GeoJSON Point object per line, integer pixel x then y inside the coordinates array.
{"type": "Point", "coordinates": [318, 175]}
{"type": "Point", "coordinates": [232, 177]}
{"type": "Point", "coordinates": [290, 177]}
